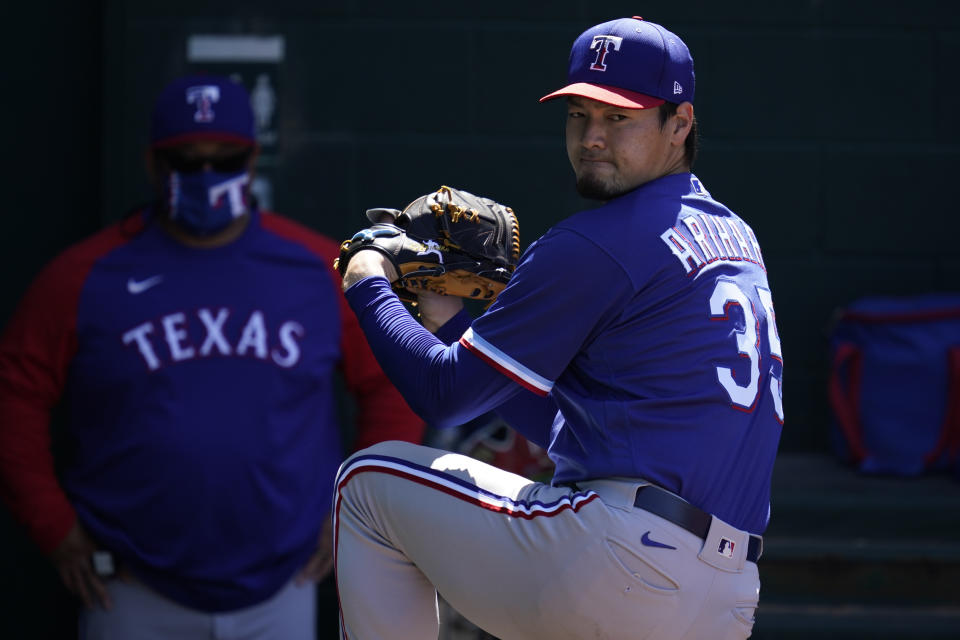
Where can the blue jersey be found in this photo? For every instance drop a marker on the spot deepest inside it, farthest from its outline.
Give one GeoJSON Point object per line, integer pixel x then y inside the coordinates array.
{"type": "Point", "coordinates": [635, 340]}
{"type": "Point", "coordinates": [650, 323]}
{"type": "Point", "coordinates": [199, 394]}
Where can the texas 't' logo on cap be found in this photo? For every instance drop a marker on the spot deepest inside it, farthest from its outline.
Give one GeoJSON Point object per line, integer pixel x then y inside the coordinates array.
{"type": "Point", "coordinates": [203, 96]}
{"type": "Point", "coordinates": [603, 44]}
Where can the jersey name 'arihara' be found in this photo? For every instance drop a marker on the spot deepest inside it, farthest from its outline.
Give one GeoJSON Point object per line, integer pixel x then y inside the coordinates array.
{"type": "Point", "coordinates": [702, 241]}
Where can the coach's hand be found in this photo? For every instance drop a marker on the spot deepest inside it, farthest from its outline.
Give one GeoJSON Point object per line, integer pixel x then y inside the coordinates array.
{"type": "Point", "coordinates": [72, 558]}
{"type": "Point", "coordinates": [321, 562]}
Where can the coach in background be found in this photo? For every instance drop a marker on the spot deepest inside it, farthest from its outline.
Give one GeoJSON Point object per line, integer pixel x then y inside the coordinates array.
{"type": "Point", "coordinates": [649, 368]}
{"type": "Point", "coordinates": [193, 349]}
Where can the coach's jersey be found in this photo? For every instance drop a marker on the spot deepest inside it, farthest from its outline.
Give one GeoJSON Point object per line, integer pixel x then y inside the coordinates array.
{"type": "Point", "coordinates": [200, 400]}
{"type": "Point", "coordinates": [651, 324]}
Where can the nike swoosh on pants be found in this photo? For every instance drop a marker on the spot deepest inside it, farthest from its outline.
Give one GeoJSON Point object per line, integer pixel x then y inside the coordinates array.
{"type": "Point", "coordinates": [646, 540]}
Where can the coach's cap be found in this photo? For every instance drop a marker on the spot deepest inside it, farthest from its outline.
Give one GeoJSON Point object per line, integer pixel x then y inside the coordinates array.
{"type": "Point", "coordinates": [202, 107]}
{"type": "Point", "coordinates": [629, 63]}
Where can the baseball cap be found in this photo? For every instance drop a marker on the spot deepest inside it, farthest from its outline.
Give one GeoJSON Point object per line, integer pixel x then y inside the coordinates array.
{"type": "Point", "coordinates": [630, 63]}
{"type": "Point", "coordinates": [202, 107]}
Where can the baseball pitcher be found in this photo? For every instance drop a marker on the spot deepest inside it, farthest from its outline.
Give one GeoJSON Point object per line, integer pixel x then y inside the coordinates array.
{"type": "Point", "coordinates": [636, 342]}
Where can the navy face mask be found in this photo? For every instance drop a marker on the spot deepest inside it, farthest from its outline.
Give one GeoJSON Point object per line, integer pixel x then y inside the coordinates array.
{"type": "Point", "coordinates": [205, 202]}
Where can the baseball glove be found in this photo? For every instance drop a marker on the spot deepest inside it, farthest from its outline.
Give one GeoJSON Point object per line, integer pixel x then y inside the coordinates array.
{"type": "Point", "coordinates": [449, 241]}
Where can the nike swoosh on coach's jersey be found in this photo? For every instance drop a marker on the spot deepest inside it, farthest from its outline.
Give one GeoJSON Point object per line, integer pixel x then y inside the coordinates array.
{"type": "Point", "coordinates": [139, 286]}
{"type": "Point", "coordinates": [645, 539]}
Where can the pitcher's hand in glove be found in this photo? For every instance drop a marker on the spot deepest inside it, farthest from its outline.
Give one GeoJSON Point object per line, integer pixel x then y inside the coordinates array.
{"type": "Point", "coordinates": [449, 242]}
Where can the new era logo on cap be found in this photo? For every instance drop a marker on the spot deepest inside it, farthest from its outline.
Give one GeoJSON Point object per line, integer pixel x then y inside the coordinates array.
{"type": "Point", "coordinates": [629, 63]}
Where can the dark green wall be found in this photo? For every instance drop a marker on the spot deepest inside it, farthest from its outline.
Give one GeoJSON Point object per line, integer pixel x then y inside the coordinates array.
{"type": "Point", "coordinates": [51, 125]}
{"type": "Point", "coordinates": [828, 125]}
{"type": "Point", "coordinates": [53, 58]}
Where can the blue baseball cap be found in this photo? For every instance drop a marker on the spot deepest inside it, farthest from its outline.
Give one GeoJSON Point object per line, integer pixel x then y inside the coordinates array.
{"type": "Point", "coordinates": [202, 107]}
{"type": "Point", "coordinates": [629, 63]}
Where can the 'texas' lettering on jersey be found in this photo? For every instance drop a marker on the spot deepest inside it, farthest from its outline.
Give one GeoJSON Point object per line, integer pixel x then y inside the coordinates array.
{"type": "Point", "coordinates": [169, 339]}
{"type": "Point", "coordinates": [702, 241]}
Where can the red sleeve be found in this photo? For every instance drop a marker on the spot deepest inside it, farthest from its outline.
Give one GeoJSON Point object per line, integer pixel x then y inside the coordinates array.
{"type": "Point", "coordinates": [382, 413]}
{"type": "Point", "coordinates": [35, 353]}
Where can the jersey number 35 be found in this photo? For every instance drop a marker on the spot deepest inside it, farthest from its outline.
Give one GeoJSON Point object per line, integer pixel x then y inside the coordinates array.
{"type": "Point", "coordinates": [725, 293]}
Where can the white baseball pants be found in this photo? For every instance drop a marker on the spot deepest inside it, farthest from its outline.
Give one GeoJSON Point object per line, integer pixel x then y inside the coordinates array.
{"type": "Point", "coordinates": [520, 559]}
{"type": "Point", "coordinates": [139, 613]}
